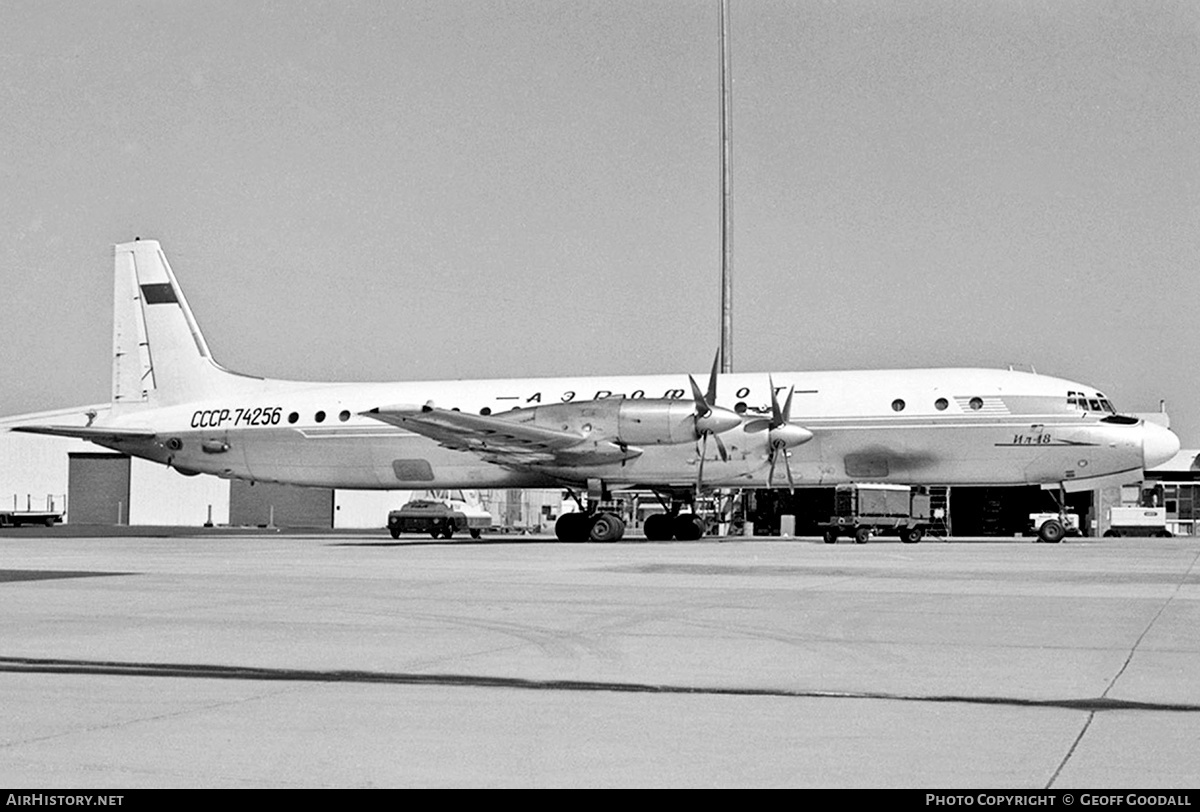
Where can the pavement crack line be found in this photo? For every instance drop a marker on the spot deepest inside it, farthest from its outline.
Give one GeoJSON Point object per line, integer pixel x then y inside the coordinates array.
{"type": "Point", "coordinates": [138, 720]}
{"type": "Point", "coordinates": [28, 665]}
{"type": "Point", "coordinates": [1128, 659]}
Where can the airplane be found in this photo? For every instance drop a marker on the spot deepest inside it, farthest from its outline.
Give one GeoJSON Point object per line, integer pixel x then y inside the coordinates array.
{"type": "Point", "coordinates": [173, 404]}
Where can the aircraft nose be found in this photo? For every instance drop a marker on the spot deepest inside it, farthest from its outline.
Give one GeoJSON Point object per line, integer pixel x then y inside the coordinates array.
{"type": "Point", "coordinates": [1159, 444]}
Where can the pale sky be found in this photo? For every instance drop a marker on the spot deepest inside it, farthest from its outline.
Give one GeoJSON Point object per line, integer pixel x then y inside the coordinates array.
{"type": "Point", "coordinates": [458, 188]}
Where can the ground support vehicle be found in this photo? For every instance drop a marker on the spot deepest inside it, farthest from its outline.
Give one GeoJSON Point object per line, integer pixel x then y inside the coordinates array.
{"type": "Point", "coordinates": [863, 509]}
{"type": "Point", "coordinates": [1137, 521]}
{"type": "Point", "coordinates": [438, 518]}
{"type": "Point", "coordinates": [14, 518]}
{"type": "Point", "coordinates": [1052, 527]}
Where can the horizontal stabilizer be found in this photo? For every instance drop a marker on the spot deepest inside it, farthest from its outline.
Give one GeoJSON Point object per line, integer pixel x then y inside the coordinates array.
{"type": "Point", "coordinates": [96, 435]}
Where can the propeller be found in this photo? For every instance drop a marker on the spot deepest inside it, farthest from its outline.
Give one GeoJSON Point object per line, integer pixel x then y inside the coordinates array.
{"type": "Point", "coordinates": [781, 434]}
{"type": "Point", "coordinates": [711, 420]}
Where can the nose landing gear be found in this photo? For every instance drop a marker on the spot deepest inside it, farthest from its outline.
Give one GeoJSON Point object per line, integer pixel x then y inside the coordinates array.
{"type": "Point", "coordinates": [1053, 530]}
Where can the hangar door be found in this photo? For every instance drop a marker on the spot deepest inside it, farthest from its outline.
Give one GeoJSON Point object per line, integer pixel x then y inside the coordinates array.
{"type": "Point", "coordinates": [253, 504]}
{"type": "Point", "coordinates": [97, 488]}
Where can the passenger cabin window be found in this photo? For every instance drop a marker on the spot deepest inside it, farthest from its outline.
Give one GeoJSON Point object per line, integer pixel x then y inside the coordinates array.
{"type": "Point", "coordinates": [897, 405]}
{"type": "Point", "coordinates": [976, 403]}
{"type": "Point", "coordinates": [940, 404]}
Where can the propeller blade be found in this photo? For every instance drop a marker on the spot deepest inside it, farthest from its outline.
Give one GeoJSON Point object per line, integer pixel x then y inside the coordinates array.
{"type": "Point", "coordinates": [787, 466]}
{"type": "Point", "coordinates": [787, 407]}
{"type": "Point", "coordinates": [711, 396]}
{"type": "Point", "coordinates": [771, 473]}
{"type": "Point", "coordinates": [702, 406]}
{"type": "Point", "coordinates": [700, 470]}
{"type": "Point", "coordinates": [721, 448]}
{"type": "Point", "coordinates": [776, 417]}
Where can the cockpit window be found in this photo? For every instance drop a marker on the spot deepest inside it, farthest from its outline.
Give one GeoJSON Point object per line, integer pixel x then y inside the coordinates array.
{"type": "Point", "coordinates": [1086, 404]}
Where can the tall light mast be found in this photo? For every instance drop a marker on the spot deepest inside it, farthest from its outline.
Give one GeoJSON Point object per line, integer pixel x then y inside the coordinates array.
{"type": "Point", "coordinates": [726, 196]}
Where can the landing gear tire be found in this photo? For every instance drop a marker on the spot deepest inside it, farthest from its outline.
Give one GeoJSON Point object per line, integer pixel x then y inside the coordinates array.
{"type": "Point", "coordinates": [831, 536]}
{"type": "Point", "coordinates": [572, 527]}
{"type": "Point", "coordinates": [448, 530]}
{"type": "Point", "coordinates": [912, 535]}
{"type": "Point", "coordinates": [862, 535]}
{"type": "Point", "coordinates": [606, 527]}
{"type": "Point", "coordinates": [1051, 532]}
{"type": "Point", "coordinates": [689, 527]}
{"type": "Point", "coordinates": [476, 532]}
{"type": "Point", "coordinates": [658, 527]}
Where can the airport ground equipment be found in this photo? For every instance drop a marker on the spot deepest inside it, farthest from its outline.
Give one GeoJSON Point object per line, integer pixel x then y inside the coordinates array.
{"type": "Point", "coordinates": [438, 518]}
{"type": "Point", "coordinates": [15, 518]}
{"type": "Point", "coordinates": [1137, 521]}
{"type": "Point", "coordinates": [1069, 522]}
{"type": "Point", "coordinates": [863, 509]}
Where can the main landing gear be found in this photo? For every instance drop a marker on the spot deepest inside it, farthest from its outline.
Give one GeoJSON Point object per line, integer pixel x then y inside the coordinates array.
{"type": "Point", "coordinates": [592, 522]}
{"type": "Point", "coordinates": [602, 526]}
{"type": "Point", "coordinates": [681, 526]}
{"type": "Point", "coordinates": [575, 527]}
{"type": "Point", "coordinates": [598, 520]}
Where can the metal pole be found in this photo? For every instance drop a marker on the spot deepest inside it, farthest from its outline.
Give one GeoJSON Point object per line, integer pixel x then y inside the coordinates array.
{"type": "Point", "coordinates": [726, 195]}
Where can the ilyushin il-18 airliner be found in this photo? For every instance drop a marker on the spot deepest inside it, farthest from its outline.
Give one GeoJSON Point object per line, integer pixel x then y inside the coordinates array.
{"type": "Point", "coordinates": [172, 403]}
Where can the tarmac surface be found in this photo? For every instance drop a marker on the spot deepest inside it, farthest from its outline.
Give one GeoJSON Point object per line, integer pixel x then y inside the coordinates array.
{"type": "Point", "coordinates": [233, 659]}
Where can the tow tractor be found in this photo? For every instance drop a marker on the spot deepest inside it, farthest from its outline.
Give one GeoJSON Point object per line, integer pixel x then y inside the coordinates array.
{"type": "Point", "coordinates": [1069, 522]}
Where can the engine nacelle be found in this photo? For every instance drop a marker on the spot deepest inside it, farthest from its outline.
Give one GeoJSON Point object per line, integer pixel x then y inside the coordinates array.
{"type": "Point", "coordinates": [656, 422]}
{"type": "Point", "coordinates": [635, 422]}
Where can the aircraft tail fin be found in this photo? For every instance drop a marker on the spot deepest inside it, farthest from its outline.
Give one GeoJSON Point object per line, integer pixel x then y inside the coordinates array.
{"type": "Point", "coordinates": [159, 354]}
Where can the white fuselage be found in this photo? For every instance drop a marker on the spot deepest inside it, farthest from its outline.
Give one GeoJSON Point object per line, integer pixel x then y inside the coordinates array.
{"type": "Point", "coordinates": [919, 426]}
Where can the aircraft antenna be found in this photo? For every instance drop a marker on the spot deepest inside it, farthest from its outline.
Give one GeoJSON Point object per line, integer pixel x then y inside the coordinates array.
{"type": "Point", "coordinates": [726, 197]}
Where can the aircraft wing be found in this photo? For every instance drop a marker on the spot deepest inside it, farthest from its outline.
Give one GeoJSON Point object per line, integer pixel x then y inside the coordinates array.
{"type": "Point", "coordinates": [501, 441]}
{"type": "Point", "coordinates": [95, 434]}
